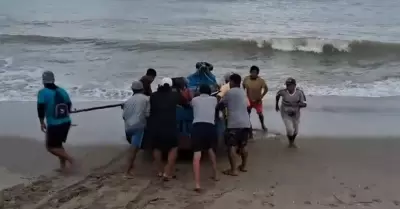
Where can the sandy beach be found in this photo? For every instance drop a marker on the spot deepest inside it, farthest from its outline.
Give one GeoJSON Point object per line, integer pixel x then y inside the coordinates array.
{"type": "Point", "coordinates": [340, 170]}
{"type": "Point", "coordinates": [323, 173]}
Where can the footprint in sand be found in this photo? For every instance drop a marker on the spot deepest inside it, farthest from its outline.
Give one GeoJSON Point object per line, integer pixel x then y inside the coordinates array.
{"type": "Point", "coordinates": [396, 202]}
{"type": "Point", "coordinates": [244, 202]}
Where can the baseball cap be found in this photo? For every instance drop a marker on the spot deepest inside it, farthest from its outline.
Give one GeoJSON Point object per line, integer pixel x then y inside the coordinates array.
{"type": "Point", "coordinates": [290, 80]}
{"type": "Point", "coordinates": [48, 77]}
{"type": "Point", "coordinates": [166, 80]}
{"type": "Point", "coordinates": [227, 76]}
{"type": "Point", "coordinates": [137, 85]}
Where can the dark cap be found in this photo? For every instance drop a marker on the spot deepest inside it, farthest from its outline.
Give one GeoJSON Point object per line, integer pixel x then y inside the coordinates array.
{"type": "Point", "coordinates": [290, 81]}
{"type": "Point", "coordinates": [48, 77]}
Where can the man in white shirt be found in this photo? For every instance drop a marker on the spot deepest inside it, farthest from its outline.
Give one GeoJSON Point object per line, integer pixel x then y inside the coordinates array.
{"type": "Point", "coordinates": [204, 132]}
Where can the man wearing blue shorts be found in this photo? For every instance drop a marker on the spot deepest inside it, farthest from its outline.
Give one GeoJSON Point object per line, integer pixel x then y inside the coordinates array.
{"type": "Point", "coordinates": [54, 104]}
{"type": "Point", "coordinates": [135, 112]}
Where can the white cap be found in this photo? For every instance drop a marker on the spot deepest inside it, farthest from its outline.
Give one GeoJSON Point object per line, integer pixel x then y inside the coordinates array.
{"type": "Point", "coordinates": [166, 80]}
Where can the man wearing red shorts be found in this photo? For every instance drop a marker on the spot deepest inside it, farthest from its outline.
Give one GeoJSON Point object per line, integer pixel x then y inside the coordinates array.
{"type": "Point", "coordinates": [256, 89]}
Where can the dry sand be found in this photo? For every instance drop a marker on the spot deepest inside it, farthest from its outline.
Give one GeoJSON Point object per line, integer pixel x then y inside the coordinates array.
{"type": "Point", "coordinates": [323, 173]}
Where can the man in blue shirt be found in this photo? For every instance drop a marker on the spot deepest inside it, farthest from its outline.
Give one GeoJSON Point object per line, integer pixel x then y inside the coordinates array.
{"type": "Point", "coordinates": [54, 104]}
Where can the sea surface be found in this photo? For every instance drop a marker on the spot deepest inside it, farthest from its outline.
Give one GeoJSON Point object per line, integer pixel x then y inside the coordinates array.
{"type": "Point", "coordinates": [98, 47]}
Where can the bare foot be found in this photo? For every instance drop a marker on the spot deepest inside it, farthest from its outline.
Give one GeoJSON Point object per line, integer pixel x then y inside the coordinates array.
{"type": "Point", "coordinates": [214, 177]}
{"type": "Point", "coordinates": [198, 189]}
{"type": "Point", "coordinates": [242, 168]}
{"type": "Point", "coordinates": [129, 172]}
{"type": "Point", "coordinates": [59, 170]}
{"type": "Point", "coordinates": [229, 172]}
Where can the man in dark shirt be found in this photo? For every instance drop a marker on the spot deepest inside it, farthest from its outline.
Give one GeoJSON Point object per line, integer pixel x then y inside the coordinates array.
{"type": "Point", "coordinates": [147, 80]}
{"type": "Point", "coordinates": [162, 126]}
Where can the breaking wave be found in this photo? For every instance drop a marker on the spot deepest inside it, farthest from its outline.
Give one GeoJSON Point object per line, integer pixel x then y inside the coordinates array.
{"type": "Point", "coordinates": [310, 45]}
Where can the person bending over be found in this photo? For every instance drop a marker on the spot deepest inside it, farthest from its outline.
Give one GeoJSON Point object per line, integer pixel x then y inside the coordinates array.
{"type": "Point", "coordinates": [147, 80]}
{"type": "Point", "coordinates": [256, 89]}
{"type": "Point", "coordinates": [162, 127]}
{"type": "Point", "coordinates": [238, 128]}
{"type": "Point", "coordinates": [293, 99]}
{"type": "Point", "coordinates": [135, 112]}
{"type": "Point", "coordinates": [54, 104]}
{"type": "Point", "coordinates": [204, 132]}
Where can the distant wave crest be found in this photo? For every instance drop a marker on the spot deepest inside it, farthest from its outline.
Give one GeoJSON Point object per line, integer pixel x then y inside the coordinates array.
{"type": "Point", "coordinates": [310, 45]}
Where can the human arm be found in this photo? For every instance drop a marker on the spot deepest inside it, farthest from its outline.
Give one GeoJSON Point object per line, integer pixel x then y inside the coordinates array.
{"type": "Point", "coordinates": [41, 109]}
{"type": "Point", "coordinates": [303, 101]}
{"type": "Point", "coordinates": [68, 101]}
{"type": "Point", "coordinates": [265, 87]}
{"type": "Point", "coordinates": [147, 108]}
{"type": "Point", "coordinates": [277, 98]}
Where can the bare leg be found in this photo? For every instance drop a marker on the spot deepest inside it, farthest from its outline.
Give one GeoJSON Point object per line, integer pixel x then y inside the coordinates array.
{"type": "Point", "coordinates": [251, 127]}
{"type": "Point", "coordinates": [62, 155]}
{"type": "Point", "coordinates": [213, 159]}
{"type": "Point", "coordinates": [243, 155]}
{"type": "Point", "coordinates": [157, 154]}
{"type": "Point", "coordinates": [196, 169]}
{"type": "Point", "coordinates": [172, 155]}
{"type": "Point", "coordinates": [232, 161]}
{"type": "Point", "coordinates": [261, 117]}
{"type": "Point", "coordinates": [132, 159]}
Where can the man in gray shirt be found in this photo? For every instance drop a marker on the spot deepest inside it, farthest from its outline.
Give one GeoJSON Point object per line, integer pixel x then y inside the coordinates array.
{"type": "Point", "coordinates": [135, 112]}
{"type": "Point", "coordinates": [238, 128]}
{"type": "Point", "coordinates": [292, 100]}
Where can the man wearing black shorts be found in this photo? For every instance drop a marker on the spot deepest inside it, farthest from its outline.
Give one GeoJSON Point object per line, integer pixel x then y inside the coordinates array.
{"type": "Point", "coordinates": [162, 126]}
{"type": "Point", "coordinates": [54, 104]}
{"type": "Point", "coordinates": [204, 133]}
{"type": "Point", "coordinates": [238, 128]}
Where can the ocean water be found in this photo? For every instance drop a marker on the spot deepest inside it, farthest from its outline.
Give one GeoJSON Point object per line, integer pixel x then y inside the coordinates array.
{"type": "Point", "coordinates": [98, 47]}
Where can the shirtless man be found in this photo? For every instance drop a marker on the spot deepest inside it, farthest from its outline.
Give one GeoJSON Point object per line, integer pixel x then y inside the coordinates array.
{"type": "Point", "coordinates": [256, 89]}
{"type": "Point", "coordinates": [293, 99]}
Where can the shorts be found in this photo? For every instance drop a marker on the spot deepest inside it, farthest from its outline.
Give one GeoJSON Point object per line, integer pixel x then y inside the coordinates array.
{"type": "Point", "coordinates": [135, 137]}
{"type": "Point", "coordinates": [291, 121]}
{"type": "Point", "coordinates": [237, 137]}
{"type": "Point", "coordinates": [57, 135]}
{"type": "Point", "coordinates": [164, 141]}
{"type": "Point", "coordinates": [204, 136]}
{"type": "Point", "coordinates": [256, 105]}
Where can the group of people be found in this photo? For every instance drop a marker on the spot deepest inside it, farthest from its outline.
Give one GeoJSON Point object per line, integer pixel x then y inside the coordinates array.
{"type": "Point", "coordinates": [154, 113]}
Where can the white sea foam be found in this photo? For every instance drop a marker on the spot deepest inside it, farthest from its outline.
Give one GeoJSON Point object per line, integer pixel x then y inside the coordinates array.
{"type": "Point", "coordinates": [22, 84]}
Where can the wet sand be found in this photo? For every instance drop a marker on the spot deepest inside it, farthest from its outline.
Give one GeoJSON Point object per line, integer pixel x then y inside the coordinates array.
{"type": "Point", "coordinates": [323, 173]}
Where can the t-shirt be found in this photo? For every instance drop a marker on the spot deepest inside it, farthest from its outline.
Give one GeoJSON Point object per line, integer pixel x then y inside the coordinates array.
{"type": "Point", "coordinates": [236, 102]}
{"type": "Point", "coordinates": [254, 88]}
{"type": "Point", "coordinates": [163, 111]}
{"type": "Point", "coordinates": [46, 98]}
{"type": "Point", "coordinates": [224, 88]}
{"type": "Point", "coordinates": [204, 109]}
{"type": "Point", "coordinates": [146, 81]}
{"type": "Point", "coordinates": [135, 111]}
{"type": "Point", "coordinates": [290, 102]}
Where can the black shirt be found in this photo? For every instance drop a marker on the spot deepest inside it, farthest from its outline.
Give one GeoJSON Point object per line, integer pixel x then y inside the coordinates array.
{"type": "Point", "coordinates": [163, 111]}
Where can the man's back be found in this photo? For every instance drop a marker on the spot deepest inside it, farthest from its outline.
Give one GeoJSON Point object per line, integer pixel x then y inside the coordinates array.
{"type": "Point", "coordinates": [204, 107]}
{"type": "Point", "coordinates": [136, 110]}
{"type": "Point", "coordinates": [146, 81]}
{"type": "Point", "coordinates": [46, 96]}
{"type": "Point", "coordinates": [163, 109]}
{"type": "Point", "coordinates": [236, 102]}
